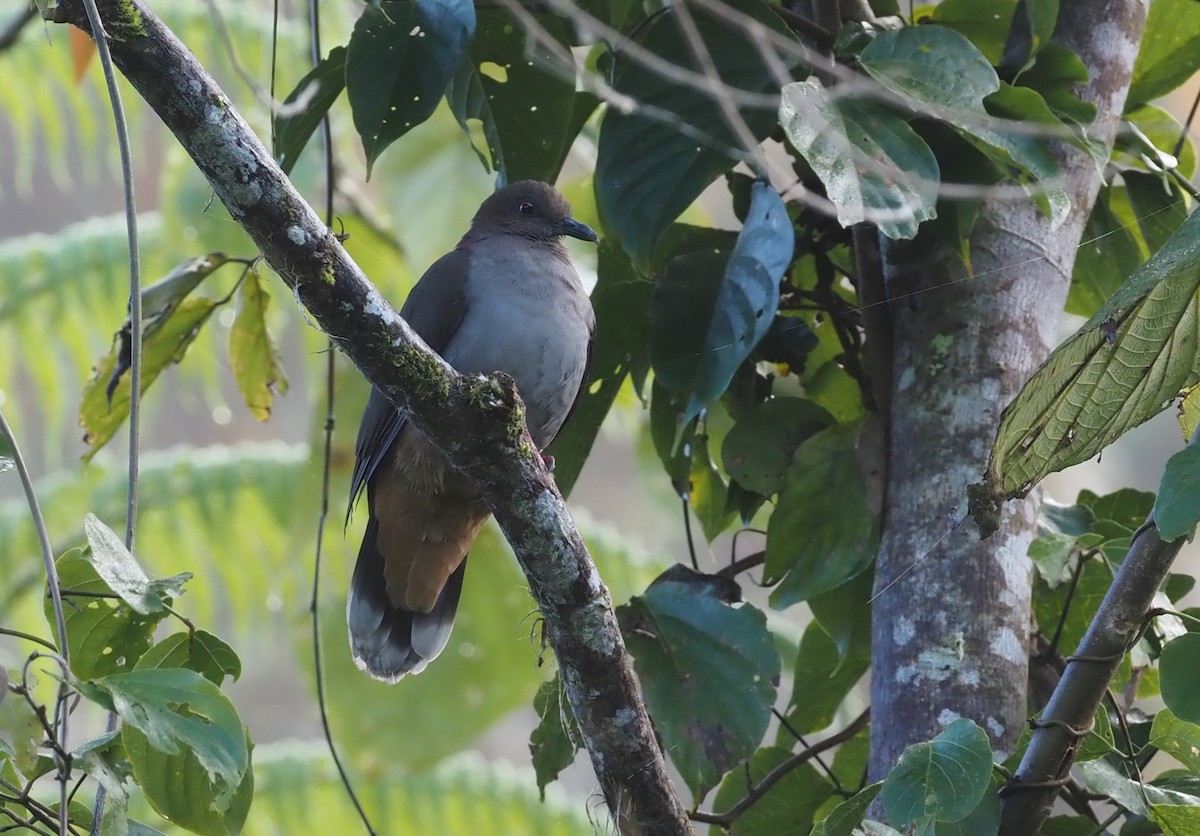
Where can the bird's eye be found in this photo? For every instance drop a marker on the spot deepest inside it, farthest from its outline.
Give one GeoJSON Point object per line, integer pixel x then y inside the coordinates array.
{"type": "Point", "coordinates": [525, 207]}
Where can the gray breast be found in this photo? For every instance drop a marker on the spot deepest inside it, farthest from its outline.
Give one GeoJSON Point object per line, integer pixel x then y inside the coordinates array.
{"type": "Point", "coordinates": [527, 315]}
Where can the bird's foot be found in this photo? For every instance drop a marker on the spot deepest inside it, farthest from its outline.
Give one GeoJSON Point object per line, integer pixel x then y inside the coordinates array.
{"type": "Point", "coordinates": [548, 460]}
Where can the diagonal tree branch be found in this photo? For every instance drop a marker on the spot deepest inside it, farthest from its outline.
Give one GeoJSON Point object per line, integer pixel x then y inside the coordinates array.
{"type": "Point", "coordinates": [477, 422]}
{"type": "Point", "coordinates": [1057, 734]}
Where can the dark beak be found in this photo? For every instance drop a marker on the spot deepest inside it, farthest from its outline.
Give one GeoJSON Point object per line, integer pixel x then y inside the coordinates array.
{"type": "Point", "coordinates": [572, 227]}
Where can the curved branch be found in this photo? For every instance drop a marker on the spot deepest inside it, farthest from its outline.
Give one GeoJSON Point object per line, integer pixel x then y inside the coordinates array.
{"type": "Point", "coordinates": [477, 422]}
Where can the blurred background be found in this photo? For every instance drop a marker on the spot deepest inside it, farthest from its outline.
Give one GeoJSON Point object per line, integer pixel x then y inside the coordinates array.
{"type": "Point", "coordinates": [236, 501]}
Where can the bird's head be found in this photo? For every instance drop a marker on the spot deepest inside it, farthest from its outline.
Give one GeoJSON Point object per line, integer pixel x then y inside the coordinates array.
{"type": "Point", "coordinates": [531, 209]}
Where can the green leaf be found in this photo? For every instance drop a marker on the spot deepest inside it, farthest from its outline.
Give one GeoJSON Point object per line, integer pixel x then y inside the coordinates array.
{"type": "Point", "coordinates": [1107, 256]}
{"type": "Point", "coordinates": [1101, 776]}
{"type": "Point", "coordinates": [553, 744]}
{"type": "Point", "coordinates": [984, 22]}
{"type": "Point", "coordinates": [708, 669]}
{"type": "Point", "coordinates": [1158, 127]}
{"type": "Point", "coordinates": [944, 778]}
{"type": "Point", "coordinates": [1177, 509]}
{"type": "Point", "coordinates": [198, 651]}
{"type": "Point", "coordinates": [823, 678]}
{"type": "Point", "coordinates": [656, 157]}
{"type": "Point", "coordinates": [252, 353]}
{"type": "Point", "coordinates": [874, 167]}
{"type": "Point", "coordinates": [1118, 370]}
{"type": "Point", "coordinates": [707, 492]}
{"type": "Point", "coordinates": [1099, 742]}
{"type": "Point", "coordinates": [1176, 819]}
{"type": "Point", "coordinates": [104, 635]}
{"type": "Point", "coordinates": [1055, 74]}
{"type": "Point", "coordinates": [1179, 671]}
{"type": "Point", "coordinates": [787, 807]}
{"type": "Point", "coordinates": [165, 341]}
{"type": "Point", "coordinates": [527, 105]}
{"type": "Point", "coordinates": [1158, 204]}
{"type": "Point", "coordinates": [824, 529]}
{"type": "Point", "coordinates": [1178, 738]}
{"type": "Point", "coordinates": [758, 450]}
{"type": "Point", "coordinates": [179, 711]}
{"type": "Point", "coordinates": [307, 105]}
{"type": "Point", "coordinates": [117, 567]}
{"type": "Point", "coordinates": [706, 320]}
{"type": "Point", "coordinates": [938, 72]}
{"type": "Point", "coordinates": [399, 61]}
{"type": "Point", "coordinates": [847, 816]}
{"type": "Point", "coordinates": [1083, 600]}
{"type": "Point", "coordinates": [1169, 53]}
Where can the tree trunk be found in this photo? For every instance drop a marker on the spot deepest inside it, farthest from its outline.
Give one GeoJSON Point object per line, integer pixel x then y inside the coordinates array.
{"type": "Point", "coordinates": [952, 616]}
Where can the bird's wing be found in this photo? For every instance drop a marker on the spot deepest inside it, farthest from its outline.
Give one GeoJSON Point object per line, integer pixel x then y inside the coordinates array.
{"type": "Point", "coordinates": [434, 309]}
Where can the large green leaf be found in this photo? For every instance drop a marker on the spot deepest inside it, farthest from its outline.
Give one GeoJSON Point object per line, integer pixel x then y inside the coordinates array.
{"type": "Point", "coordinates": [939, 73]}
{"type": "Point", "coordinates": [708, 669]}
{"type": "Point", "coordinates": [1180, 676]}
{"type": "Point", "coordinates": [846, 818]}
{"type": "Point", "coordinates": [824, 529]}
{"type": "Point", "coordinates": [823, 678]}
{"type": "Point", "coordinates": [400, 59]}
{"type": "Point", "coordinates": [1177, 508]}
{"type": "Point", "coordinates": [706, 317]}
{"type": "Point", "coordinates": [758, 451]}
{"type": "Point", "coordinates": [943, 779]}
{"type": "Point", "coordinates": [658, 153]}
{"type": "Point", "coordinates": [985, 22]}
{"type": "Point", "coordinates": [1178, 737]}
{"type": "Point", "coordinates": [515, 85]}
{"type": "Point", "coordinates": [874, 166]}
{"type": "Point", "coordinates": [1107, 256]}
{"type": "Point", "coordinates": [1169, 53]}
{"type": "Point", "coordinates": [1122, 367]}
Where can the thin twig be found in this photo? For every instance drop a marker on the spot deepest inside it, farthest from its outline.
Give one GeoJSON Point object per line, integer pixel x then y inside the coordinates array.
{"type": "Point", "coordinates": [29, 637]}
{"type": "Point", "coordinates": [314, 21]}
{"type": "Point", "coordinates": [135, 330]}
{"type": "Point", "coordinates": [778, 773]}
{"type": "Point", "coordinates": [60, 621]}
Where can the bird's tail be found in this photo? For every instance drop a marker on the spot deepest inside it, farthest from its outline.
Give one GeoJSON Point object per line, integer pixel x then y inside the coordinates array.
{"type": "Point", "coordinates": [389, 641]}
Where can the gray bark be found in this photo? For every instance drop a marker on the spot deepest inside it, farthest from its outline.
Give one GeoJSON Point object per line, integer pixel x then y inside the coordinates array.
{"type": "Point", "coordinates": [952, 617]}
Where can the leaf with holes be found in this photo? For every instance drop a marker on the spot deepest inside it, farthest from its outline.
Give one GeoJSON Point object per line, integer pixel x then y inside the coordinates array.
{"type": "Point", "coordinates": [198, 651]}
{"type": "Point", "coordinates": [1121, 368]}
{"type": "Point", "coordinates": [104, 634]}
{"type": "Point", "coordinates": [400, 60]}
{"type": "Point", "coordinates": [553, 744]}
{"type": "Point", "coordinates": [943, 779]}
{"type": "Point", "coordinates": [874, 166]}
{"type": "Point", "coordinates": [939, 73]}
{"type": "Point", "coordinates": [669, 135]}
{"type": "Point", "coordinates": [706, 318]}
{"type": "Point", "coordinates": [124, 576]}
{"type": "Point", "coordinates": [522, 94]}
{"type": "Point", "coordinates": [709, 670]}
{"type": "Point", "coordinates": [180, 712]}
